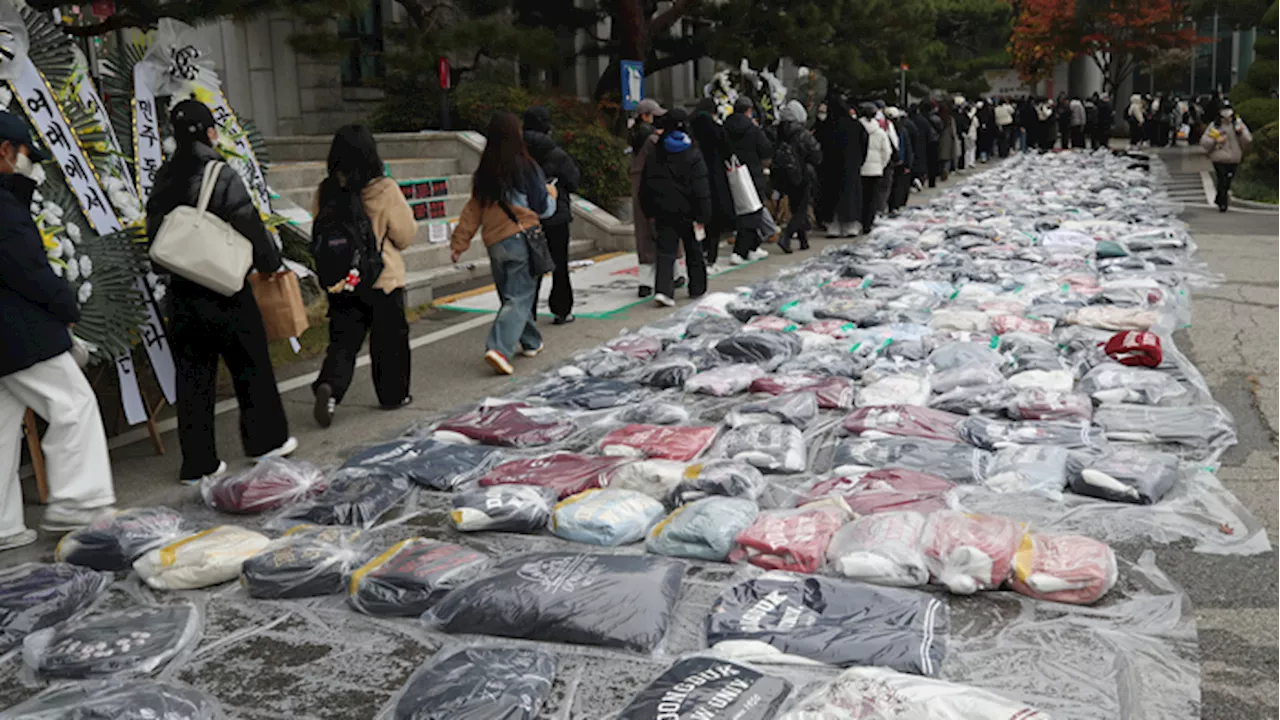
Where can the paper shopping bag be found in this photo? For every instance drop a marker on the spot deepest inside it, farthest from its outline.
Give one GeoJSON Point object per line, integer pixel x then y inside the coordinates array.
{"type": "Point", "coordinates": [280, 300]}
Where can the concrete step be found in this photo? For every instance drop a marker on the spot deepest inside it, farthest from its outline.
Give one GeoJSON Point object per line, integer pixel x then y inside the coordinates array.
{"type": "Point", "coordinates": [421, 285]}
{"type": "Point", "coordinates": [295, 175]}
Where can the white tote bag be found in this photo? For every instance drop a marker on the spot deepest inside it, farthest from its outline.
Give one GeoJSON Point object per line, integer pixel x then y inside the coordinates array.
{"type": "Point", "coordinates": [743, 189]}
{"type": "Point", "coordinates": [202, 247]}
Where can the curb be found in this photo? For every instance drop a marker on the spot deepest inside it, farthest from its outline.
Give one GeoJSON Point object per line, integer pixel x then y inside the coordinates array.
{"type": "Point", "coordinates": [1254, 205]}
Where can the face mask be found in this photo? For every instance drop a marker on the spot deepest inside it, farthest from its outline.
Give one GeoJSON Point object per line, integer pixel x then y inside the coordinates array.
{"type": "Point", "coordinates": [23, 166]}
{"type": "Point", "coordinates": [822, 116]}
{"type": "Point", "coordinates": [1226, 114]}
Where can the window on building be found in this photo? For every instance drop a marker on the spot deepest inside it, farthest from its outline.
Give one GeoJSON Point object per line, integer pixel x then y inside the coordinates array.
{"type": "Point", "coordinates": [363, 66]}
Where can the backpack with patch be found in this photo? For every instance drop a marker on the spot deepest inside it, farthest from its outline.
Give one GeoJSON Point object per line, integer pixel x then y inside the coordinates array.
{"type": "Point", "coordinates": [787, 169]}
{"type": "Point", "coordinates": [344, 246]}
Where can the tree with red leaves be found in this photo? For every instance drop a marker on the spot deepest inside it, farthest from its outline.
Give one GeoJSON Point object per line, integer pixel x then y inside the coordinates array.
{"type": "Point", "coordinates": [1118, 35]}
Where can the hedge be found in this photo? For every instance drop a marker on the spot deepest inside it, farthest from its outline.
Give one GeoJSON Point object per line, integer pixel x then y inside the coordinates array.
{"type": "Point", "coordinates": [1259, 112]}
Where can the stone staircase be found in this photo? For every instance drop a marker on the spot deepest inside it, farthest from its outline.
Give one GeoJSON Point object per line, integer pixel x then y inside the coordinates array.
{"type": "Point", "coordinates": [434, 170]}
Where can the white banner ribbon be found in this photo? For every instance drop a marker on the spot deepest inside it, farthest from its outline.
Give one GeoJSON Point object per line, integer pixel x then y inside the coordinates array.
{"type": "Point", "coordinates": [135, 411]}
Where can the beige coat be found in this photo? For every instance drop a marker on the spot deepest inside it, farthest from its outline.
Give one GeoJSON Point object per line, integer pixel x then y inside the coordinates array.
{"type": "Point", "coordinates": [393, 225]}
{"type": "Point", "coordinates": [1226, 143]}
{"type": "Point", "coordinates": [646, 250]}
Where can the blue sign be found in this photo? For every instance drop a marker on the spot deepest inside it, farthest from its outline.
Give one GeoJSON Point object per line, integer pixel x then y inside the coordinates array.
{"type": "Point", "coordinates": [632, 84]}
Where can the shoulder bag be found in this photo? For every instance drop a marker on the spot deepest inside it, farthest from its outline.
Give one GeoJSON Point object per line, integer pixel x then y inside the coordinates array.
{"type": "Point", "coordinates": [202, 247]}
{"type": "Point", "coordinates": [540, 262]}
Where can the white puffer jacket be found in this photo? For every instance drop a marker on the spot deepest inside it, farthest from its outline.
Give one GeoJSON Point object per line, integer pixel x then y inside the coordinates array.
{"type": "Point", "coordinates": [879, 149]}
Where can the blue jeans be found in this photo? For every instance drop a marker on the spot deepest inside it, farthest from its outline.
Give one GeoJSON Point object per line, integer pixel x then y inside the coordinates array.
{"type": "Point", "coordinates": [509, 261]}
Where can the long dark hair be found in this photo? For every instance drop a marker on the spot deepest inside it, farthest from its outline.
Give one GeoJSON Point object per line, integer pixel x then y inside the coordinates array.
{"type": "Point", "coordinates": [505, 162]}
{"type": "Point", "coordinates": [353, 163]}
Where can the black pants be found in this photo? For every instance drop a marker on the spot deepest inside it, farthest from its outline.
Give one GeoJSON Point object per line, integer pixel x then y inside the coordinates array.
{"type": "Point", "coordinates": [711, 242]}
{"type": "Point", "coordinates": [1226, 172]}
{"type": "Point", "coordinates": [1077, 136]}
{"type": "Point", "coordinates": [901, 189]}
{"type": "Point", "coordinates": [381, 316]}
{"type": "Point", "coordinates": [561, 300]}
{"type": "Point", "coordinates": [931, 161]}
{"type": "Point", "coordinates": [202, 328]}
{"type": "Point", "coordinates": [668, 235]}
{"type": "Point", "coordinates": [745, 240]}
{"type": "Point", "coordinates": [870, 189]}
{"type": "Point", "coordinates": [798, 225]}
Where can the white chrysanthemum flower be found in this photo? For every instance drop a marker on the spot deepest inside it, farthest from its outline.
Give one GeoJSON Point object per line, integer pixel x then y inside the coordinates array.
{"type": "Point", "coordinates": [57, 269]}
{"type": "Point", "coordinates": [37, 197]}
{"type": "Point", "coordinates": [169, 145]}
{"type": "Point", "coordinates": [53, 213]}
{"type": "Point", "coordinates": [6, 97]}
{"type": "Point", "coordinates": [86, 266]}
{"type": "Point", "coordinates": [158, 291]}
{"type": "Point", "coordinates": [35, 209]}
{"type": "Point", "coordinates": [152, 278]}
{"type": "Point", "coordinates": [68, 247]}
{"type": "Point", "coordinates": [73, 271]}
{"type": "Point", "coordinates": [56, 250]}
{"type": "Point", "coordinates": [37, 174]}
{"type": "Point", "coordinates": [85, 292]}
{"type": "Point", "coordinates": [74, 231]}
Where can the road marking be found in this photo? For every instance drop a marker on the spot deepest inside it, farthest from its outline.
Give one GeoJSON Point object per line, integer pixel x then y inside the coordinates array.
{"type": "Point", "coordinates": [284, 386]}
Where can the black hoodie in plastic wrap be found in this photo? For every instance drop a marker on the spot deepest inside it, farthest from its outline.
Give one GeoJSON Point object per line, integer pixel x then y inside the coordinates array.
{"type": "Point", "coordinates": [34, 596]}
{"type": "Point", "coordinates": [707, 688]}
{"type": "Point", "coordinates": [430, 463]}
{"type": "Point", "coordinates": [118, 700]}
{"type": "Point", "coordinates": [479, 683]}
{"type": "Point", "coordinates": [570, 598]}
{"type": "Point", "coordinates": [838, 622]}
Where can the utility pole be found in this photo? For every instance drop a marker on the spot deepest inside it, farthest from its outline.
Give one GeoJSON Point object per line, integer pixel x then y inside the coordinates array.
{"type": "Point", "coordinates": [1195, 56]}
{"type": "Point", "coordinates": [1213, 66]}
{"type": "Point", "coordinates": [902, 84]}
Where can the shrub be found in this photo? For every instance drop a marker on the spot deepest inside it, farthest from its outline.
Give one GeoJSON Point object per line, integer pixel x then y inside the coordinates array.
{"type": "Point", "coordinates": [603, 160]}
{"type": "Point", "coordinates": [1262, 74]}
{"type": "Point", "coordinates": [1259, 112]}
{"type": "Point", "coordinates": [1257, 177]}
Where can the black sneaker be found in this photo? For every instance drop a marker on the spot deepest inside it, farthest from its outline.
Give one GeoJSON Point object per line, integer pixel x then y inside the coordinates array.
{"type": "Point", "coordinates": [408, 400]}
{"type": "Point", "coordinates": [325, 405]}
{"type": "Point", "coordinates": [681, 282]}
{"type": "Point", "coordinates": [645, 291]}
{"type": "Point", "coordinates": [563, 319]}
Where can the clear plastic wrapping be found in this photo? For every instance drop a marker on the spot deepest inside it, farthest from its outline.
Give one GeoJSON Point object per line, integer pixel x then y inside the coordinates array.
{"type": "Point", "coordinates": [510, 508]}
{"type": "Point", "coordinates": [127, 642]}
{"type": "Point", "coordinates": [1116, 383]}
{"type": "Point", "coordinates": [565, 473]}
{"type": "Point", "coordinates": [1028, 468]}
{"type": "Point", "coordinates": [724, 380]}
{"type": "Point", "coordinates": [903, 420]}
{"type": "Point", "coordinates": [954, 462]}
{"type": "Point", "coordinates": [34, 596]}
{"type": "Point", "coordinates": [671, 372]}
{"type": "Point", "coordinates": [1123, 474]}
{"type": "Point", "coordinates": [885, 490]}
{"type": "Point", "coordinates": [1050, 405]}
{"type": "Point", "coordinates": [210, 557]}
{"type": "Point", "coordinates": [113, 542]}
{"type": "Point", "coordinates": [903, 389]}
{"type": "Point", "coordinates": [478, 683]}
{"type": "Point", "coordinates": [727, 478]}
{"type": "Point", "coordinates": [427, 462]}
{"type": "Point", "coordinates": [798, 409]}
{"type": "Point", "coordinates": [356, 496]}
{"type": "Point", "coordinates": [137, 699]}
{"type": "Point", "coordinates": [1200, 432]}
{"type": "Point", "coordinates": [882, 549]}
{"type": "Point", "coordinates": [794, 540]}
{"type": "Point", "coordinates": [606, 517]}
{"type": "Point", "coordinates": [310, 560]}
{"type": "Point", "coordinates": [833, 393]}
{"type": "Point", "coordinates": [967, 553]}
{"type": "Point", "coordinates": [269, 485]}
{"type": "Point", "coordinates": [412, 575]}
{"type": "Point", "coordinates": [710, 688]}
{"type": "Point", "coordinates": [704, 529]}
{"type": "Point", "coordinates": [511, 425]}
{"type": "Point", "coordinates": [590, 393]}
{"type": "Point", "coordinates": [661, 442]}
{"type": "Point", "coordinates": [1063, 568]}
{"type": "Point", "coordinates": [993, 434]}
{"type": "Point", "coordinates": [772, 448]}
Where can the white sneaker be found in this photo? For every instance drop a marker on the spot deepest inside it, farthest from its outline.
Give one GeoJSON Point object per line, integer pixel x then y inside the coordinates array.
{"type": "Point", "coordinates": [663, 300]}
{"type": "Point", "coordinates": [532, 353]}
{"type": "Point", "coordinates": [758, 254]}
{"type": "Point", "coordinates": [736, 259]}
{"type": "Point", "coordinates": [835, 231]}
{"type": "Point", "coordinates": [60, 518]}
{"type": "Point", "coordinates": [217, 473]}
{"type": "Point", "coordinates": [284, 450]}
{"type": "Point", "coordinates": [19, 539]}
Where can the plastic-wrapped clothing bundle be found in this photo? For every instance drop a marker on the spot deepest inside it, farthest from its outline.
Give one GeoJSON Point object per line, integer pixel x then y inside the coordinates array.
{"type": "Point", "coordinates": [836, 622]}
{"type": "Point", "coordinates": [356, 496]}
{"type": "Point", "coordinates": [137, 640]}
{"type": "Point", "coordinates": [903, 389]}
{"type": "Point", "coordinates": [640, 347]}
{"type": "Point", "coordinates": [478, 683]}
{"type": "Point", "coordinates": [883, 549]}
{"type": "Point", "coordinates": [858, 311]}
{"type": "Point", "coordinates": [412, 575]}
{"type": "Point", "coordinates": [1110, 317]}
{"type": "Point", "coordinates": [884, 490]}
{"type": "Point", "coordinates": [712, 325]}
{"type": "Point", "coordinates": [1123, 474]}
{"type": "Point", "coordinates": [112, 543]}
{"type": "Point", "coordinates": [1135, 348]}
{"type": "Point", "coordinates": [139, 699]}
{"type": "Point", "coordinates": [269, 485]}
{"type": "Point", "coordinates": [655, 413]}
{"type": "Point", "coordinates": [826, 362]}
{"type": "Point", "coordinates": [968, 553]}
{"type": "Point", "coordinates": [509, 425]}
{"type": "Point", "coordinates": [966, 320]}
{"type": "Point", "coordinates": [727, 478]}
{"type": "Point", "coordinates": [833, 393]}
{"type": "Point", "coordinates": [955, 462]}
{"type": "Point", "coordinates": [903, 420]}
{"type": "Point", "coordinates": [589, 393]}
{"type": "Point", "coordinates": [770, 322]}
{"type": "Point", "coordinates": [600, 363]}
{"type": "Point", "coordinates": [772, 448]}
{"type": "Point", "coordinates": [768, 348]}
{"type": "Point", "coordinates": [1199, 431]}
{"type": "Point", "coordinates": [967, 399]}
{"type": "Point", "coordinates": [1116, 383]}
{"type": "Point", "coordinates": [309, 560]}
{"type": "Point", "coordinates": [880, 694]}
{"type": "Point", "coordinates": [661, 442]}
{"type": "Point", "coordinates": [428, 462]}
{"type": "Point", "coordinates": [704, 529]}
{"type": "Point", "coordinates": [798, 408]}
{"type": "Point", "coordinates": [210, 557]}
{"type": "Point", "coordinates": [794, 540]}
{"type": "Point", "coordinates": [838, 329]}
{"type": "Point", "coordinates": [509, 508]}
{"type": "Point", "coordinates": [1050, 405]}
{"type": "Point", "coordinates": [708, 688]}
{"type": "Point", "coordinates": [1060, 381]}
{"type": "Point", "coordinates": [724, 380]}
{"type": "Point", "coordinates": [655, 478]}
{"type": "Point", "coordinates": [1068, 241]}
{"type": "Point", "coordinates": [944, 381]}
{"type": "Point", "coordinates": [34, 596]}
{"type": "Point", "coordinates": [669, 372]}
{"type": "Point", "coordinates": [1001, 324]}
{"type": "Point", "coordinates": [1063, 568]}
{"type": "Point", "coordinates": [566, 473]}
{"type": "Point", "coordinates": [992, 434]}
{"type": "Point", "coordinates": [570, 598]}
{"type": "Point", "coordinates": [1028, 468]}
{"type": "Point", "coordinates": [606, 517]}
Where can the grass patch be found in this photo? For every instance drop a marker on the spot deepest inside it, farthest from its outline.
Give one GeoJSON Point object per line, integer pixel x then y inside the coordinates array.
{"type": "Point", "coordinates": [1248, 189]}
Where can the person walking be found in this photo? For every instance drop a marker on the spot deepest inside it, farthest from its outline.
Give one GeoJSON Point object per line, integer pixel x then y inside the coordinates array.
{"type": "Point", "coordinates": [901, 166]}
{"type": "Point", "coordinates": [987, 130]}
{"type": "Point", "coordinates": [1004, 126]}
{"type": "Point", "coordinates": [1048, 124]}
{"type": "Point", "coordinates": [795, 172]}
{"type": "Point", "coordinates": [948, 143]}
{"type": "Point", "coordinates": [1106, 118]}
{"type": "Point", "coordinates": [852, 145]}
{"type": "Point", "coordinates": [561, 170]}
{"type": "Point", "coordinates": [674, 194]}
{"type": "Point", "coordinates": [644, 134]}
{"type": "Point", "coordinates": [1077, 120]}
{"type": "Point", "coordinates": [357, 200]}
{"type": "Point", "coordinates": [933, 147]}
{"type": "Point", "coordinates": [1063, 110]}
{"type": "Point", "coordinates": [970, 113]}
{"type": "Point", "coordinates": [509, 198]}
{"type": "Point", "coordinates": [712, 141]}
{"type": "Point", "coordinates": [1226, 140]}
{"type": "Point", "coordinates": [752, 148]}
{"type": "Point", "coordinates": [37, 370]}
{"type": "Point", "coordinates": [1029, 124]}
{"type": "Point", "coordinates": [1136, 117]}
{"type": "Point", "coordinates": [878, 155]}
{"type": "Point", "coordinates": [831, 171]}
{"type": "Point", "coordinates": [204, 324]}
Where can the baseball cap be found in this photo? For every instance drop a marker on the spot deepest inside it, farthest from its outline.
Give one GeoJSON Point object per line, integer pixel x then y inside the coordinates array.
{"type": "Point", "coordinates": [13, 129]}
{"type": "Point", "coordinates": [743, 104]}
{"type": "Point", "coordinates": [649, 106]}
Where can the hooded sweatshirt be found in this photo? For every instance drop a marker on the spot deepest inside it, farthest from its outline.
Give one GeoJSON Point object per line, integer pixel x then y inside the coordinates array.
{"type": "Point", "coordinates": [879, 149]}
{"type": "Point", "coordinates": [1135, 109]}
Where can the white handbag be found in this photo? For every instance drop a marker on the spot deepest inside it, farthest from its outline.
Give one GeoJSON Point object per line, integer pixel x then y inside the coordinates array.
{"type": "Point", "coordinates": [200, 246]}
{"type": "Point", "coordinates": [743, 189]}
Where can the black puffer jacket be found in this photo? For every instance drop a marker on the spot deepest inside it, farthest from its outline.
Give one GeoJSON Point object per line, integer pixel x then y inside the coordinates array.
{"type": "Point", "coordinates": [674, 186]}
{"type": "Point", "coordinates": [178, 183]}
{"type": "Point", "coordinates": [555, 163]}
{"type": "Point", "coordinates": [35, 304]}
{"type": "Point", "coordinates": [751, 146]}
{"type": "Point", "coordinates": [806, 147]}
{"type": "Point", "coordinates": [710, 138]}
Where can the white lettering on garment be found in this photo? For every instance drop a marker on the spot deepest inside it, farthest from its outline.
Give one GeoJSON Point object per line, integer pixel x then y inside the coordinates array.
{"type": "Point", "coordinates": [752, 618]}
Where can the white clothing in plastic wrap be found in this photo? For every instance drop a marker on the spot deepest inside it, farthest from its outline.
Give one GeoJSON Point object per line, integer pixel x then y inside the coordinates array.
{"type": "Point", "coordinates": [724, 380]}
{"type": "Point", "coordinates": [704, 529]}
{"type": "Point", "coordinates": [655, 478]}
{"type": "Point", "coordinates": [211, 557]}
{"type": "Point", "coordinates": [1110, 317]}
{"type": "Point", "coordinates": [1064, 568]}
{"type": "Point", "coordinates": [964, 320]}
{"type": "Point", "coordinates": [1060, 381]}
{"type": "Point", "coordinates": [1116, 383]}
{"type": "Point", "coordinates": [883, 549]}
{"type": "Point", "coordinates": [871, 693]}
{"type": "Point", "coordinates": [606, 517]}
{"type": "Point", "coordinates": [968, 553]}
{"type": "Point", "coordinates": [945, 381]}
{"type": "Point", "coordinates": [772, 448]}
{"type": "Point", "coordinates": [904, 389]}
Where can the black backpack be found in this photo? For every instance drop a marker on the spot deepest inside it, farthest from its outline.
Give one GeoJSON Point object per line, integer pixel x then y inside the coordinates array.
{"type": "Point", "coordinates": [342, 240]}
{"type": "Point", "coordinates": [787, 170]}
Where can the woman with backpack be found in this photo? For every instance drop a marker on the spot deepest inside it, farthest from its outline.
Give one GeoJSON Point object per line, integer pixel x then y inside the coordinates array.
{"type": "Point", "coordinates": [204, 324]}
{"type": "Point", "coordinates": [509, 199]}
{"type": "Point", "coordinates": [795, 172]}
{"type": "Point", "coordinates": [362, 222]}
